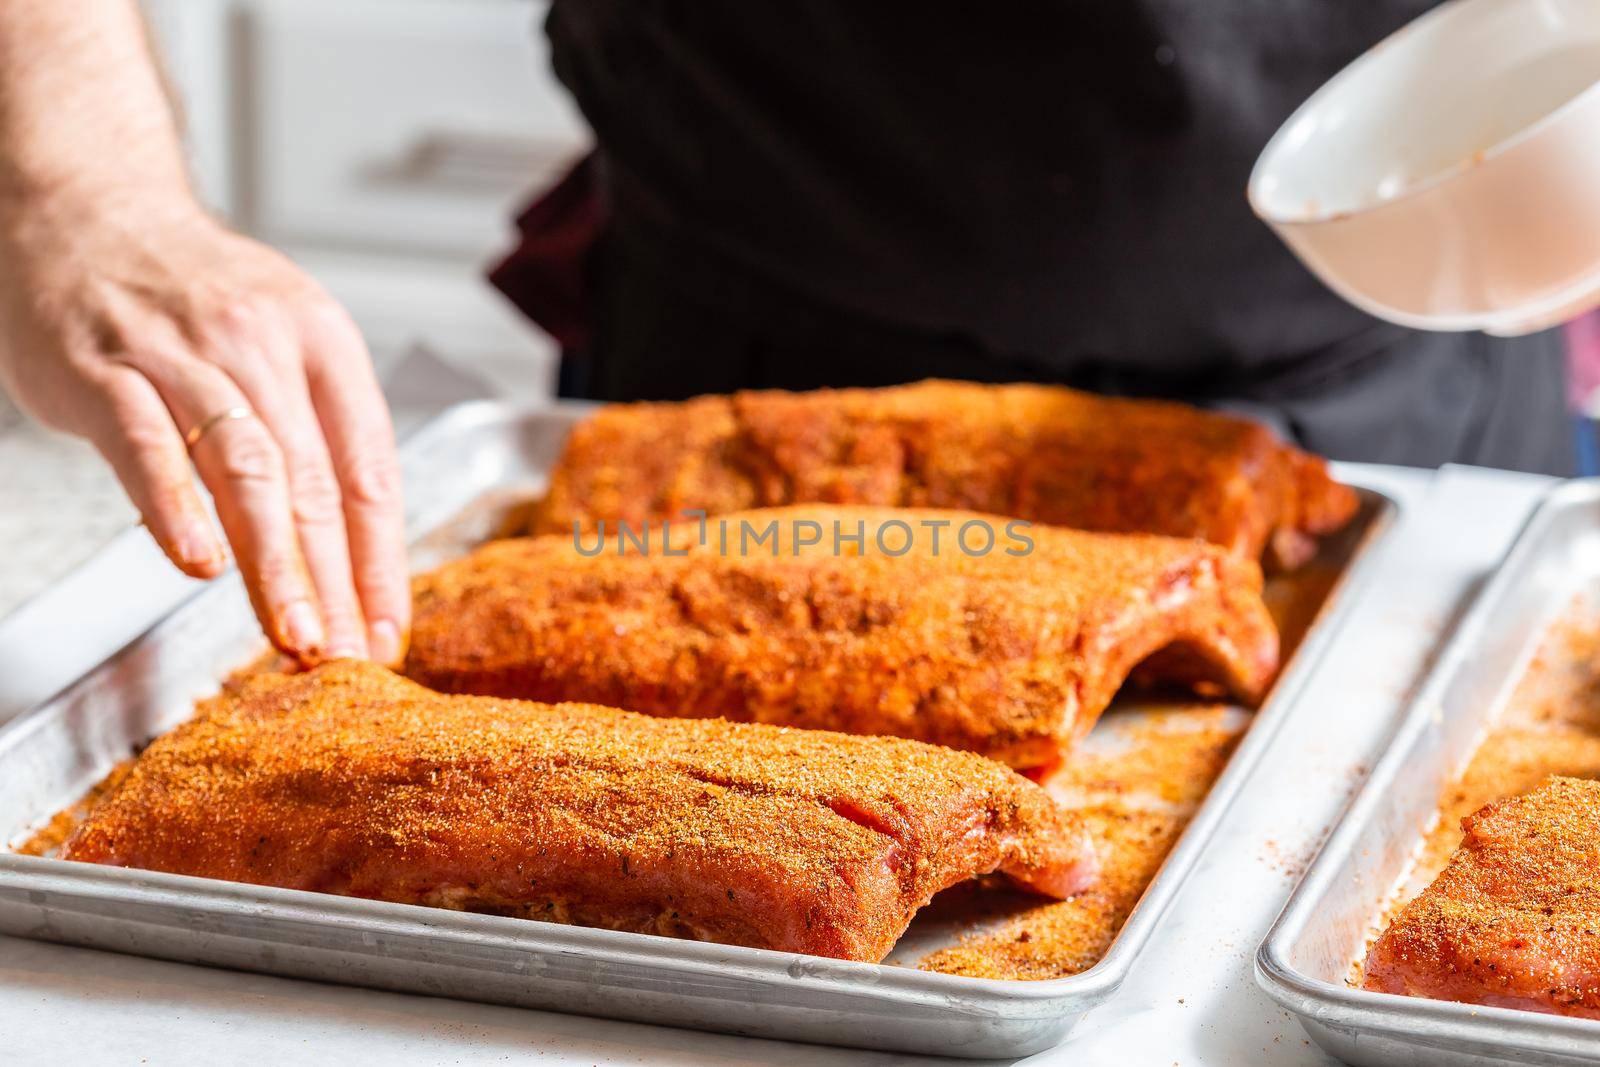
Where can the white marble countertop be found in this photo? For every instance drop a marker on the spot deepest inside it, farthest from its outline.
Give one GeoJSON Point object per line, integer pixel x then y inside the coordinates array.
{"type": "Point", "coordinates": [1191, 999]}
{"type": "Point", "coordinates": [58, 504]}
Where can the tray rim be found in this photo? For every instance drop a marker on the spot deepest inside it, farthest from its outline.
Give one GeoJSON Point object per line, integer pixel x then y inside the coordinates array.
{"type": "Point", "coordinates": [1090, 987]}
{"type": "Point", "coordinates": [1420, 1020]}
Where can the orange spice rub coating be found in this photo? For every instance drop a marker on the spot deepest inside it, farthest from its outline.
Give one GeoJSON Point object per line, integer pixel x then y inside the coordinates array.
{"type": "Point", "coordinates": [352, 780]}
{"type": "Point", "coordinates": [1514, 919]}
{"type": "Point", "coordinates": [1038, 452]}
{"type": "Point", "coordinates": [1009, 656]}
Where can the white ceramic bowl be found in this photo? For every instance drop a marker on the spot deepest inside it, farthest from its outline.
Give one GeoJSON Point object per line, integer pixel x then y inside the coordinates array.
{"type": "Point", "coordinates": [1449, 178]}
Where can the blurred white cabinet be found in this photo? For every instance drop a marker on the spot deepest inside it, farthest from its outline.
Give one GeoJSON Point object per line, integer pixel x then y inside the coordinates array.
{"type": "Point", "coordinates": [416, 126]}
{"type": "Point", "coordinates": [386, 145]}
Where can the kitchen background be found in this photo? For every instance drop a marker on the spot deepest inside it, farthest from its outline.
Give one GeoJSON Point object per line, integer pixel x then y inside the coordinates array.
{"type": "Point", "coordinates": [385, 145]}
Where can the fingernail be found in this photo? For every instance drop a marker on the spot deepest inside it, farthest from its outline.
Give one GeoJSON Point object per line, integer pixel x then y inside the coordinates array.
{"type": "Point", "coordinates": [383, 641]}
{"type": "Point", "coordinates": [302, 627]}
{"type": "Point", "coordinates": [199, 550]}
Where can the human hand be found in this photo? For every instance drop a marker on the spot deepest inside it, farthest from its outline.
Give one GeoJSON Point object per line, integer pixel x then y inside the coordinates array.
{"type": "Point", "coordinates": [144, 321]}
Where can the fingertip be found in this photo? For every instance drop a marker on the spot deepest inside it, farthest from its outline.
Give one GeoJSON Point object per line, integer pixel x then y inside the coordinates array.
{"type": "Point", "coordinates": [299, 630]}
{"type": "Point", "coordinates": [194, 551]}
{"type": "Point", "coordinates": [204, 572]}
{"type": "Point", "coordinates": [385, 642]}
{"type": "Point", "coordinates": [206, 568]}
{"type": "Point", "coordinates": [345, 648]}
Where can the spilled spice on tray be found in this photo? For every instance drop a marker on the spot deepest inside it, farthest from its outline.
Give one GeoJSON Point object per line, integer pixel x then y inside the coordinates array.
{"type": "Point", "coordinates": [49, 837]}
{"type": "Point", "coordinates": [1137, 780]}
{"type": "Point", "coordinates": [1296, 598]}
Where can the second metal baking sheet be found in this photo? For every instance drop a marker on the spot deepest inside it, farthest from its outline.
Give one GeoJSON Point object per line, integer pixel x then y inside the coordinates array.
{"type": "Point", "coordinates": [1307, 957]}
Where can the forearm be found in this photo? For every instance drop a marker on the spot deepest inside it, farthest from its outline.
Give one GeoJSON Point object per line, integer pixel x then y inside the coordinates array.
{"type": "Point", "coordinates": [130, 317]}
{"type": "Point", "coordinates": [84, 122]}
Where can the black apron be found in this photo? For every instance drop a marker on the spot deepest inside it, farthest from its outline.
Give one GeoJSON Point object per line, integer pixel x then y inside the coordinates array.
{"type": "Point", "coordinates": [831, 193]}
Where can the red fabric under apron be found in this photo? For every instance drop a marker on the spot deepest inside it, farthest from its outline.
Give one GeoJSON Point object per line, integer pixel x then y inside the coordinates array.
{"type": "Point", "coordinates": [547, 275]}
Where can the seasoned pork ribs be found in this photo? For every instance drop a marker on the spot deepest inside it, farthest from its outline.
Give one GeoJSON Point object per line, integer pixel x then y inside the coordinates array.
{"type": "Point", "coordinates": [1044, 453]}
{"type": "Point", "coordinates": [351, 780]}
{"type": "Point", "coordinates": [1514, 920]}
{"type": "Point", "coordinates": [1011, 656]}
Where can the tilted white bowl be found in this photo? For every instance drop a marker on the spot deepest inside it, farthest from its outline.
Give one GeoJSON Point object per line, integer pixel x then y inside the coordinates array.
{"type": "Point", "coordinates": [1449, 178]}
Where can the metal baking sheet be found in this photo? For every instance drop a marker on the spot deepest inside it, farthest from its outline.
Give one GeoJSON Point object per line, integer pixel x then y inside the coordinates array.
{"type": "Point", "coordinates": [52, 755]}
{"type": "Point", "coordinates": [1326, 924]}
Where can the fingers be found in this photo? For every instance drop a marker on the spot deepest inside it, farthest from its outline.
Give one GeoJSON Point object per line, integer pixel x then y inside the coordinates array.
{"type": "Point", "coordinates": [136, 436]}
{"type": "Point", "coordinates": [308, 491]}
{"type": "Point", "coordinates": [264, 360]}
{"type": "Point", "coordinates": [360, 438]}
{"type": "Point", "coordinates": [241, 464]}
{"type": "Point", "coordinates": [153, 332]}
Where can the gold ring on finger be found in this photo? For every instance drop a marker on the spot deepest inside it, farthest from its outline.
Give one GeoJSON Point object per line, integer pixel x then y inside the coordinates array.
{"type": "Point", "coordinates": [207, 424]}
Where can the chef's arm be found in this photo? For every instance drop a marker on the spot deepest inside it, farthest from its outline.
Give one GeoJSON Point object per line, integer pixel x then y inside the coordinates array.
{"type": "Point", "coordinates": [132, 318]}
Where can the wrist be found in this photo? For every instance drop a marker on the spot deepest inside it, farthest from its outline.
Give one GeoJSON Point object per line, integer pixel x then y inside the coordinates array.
{"type": "Point", "coordinates": [34, 209]}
